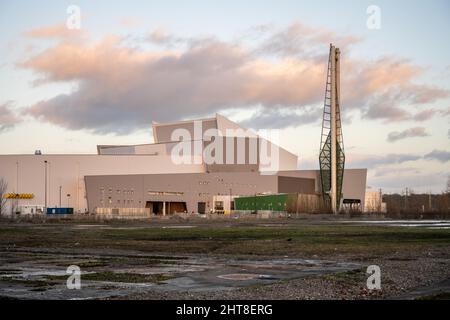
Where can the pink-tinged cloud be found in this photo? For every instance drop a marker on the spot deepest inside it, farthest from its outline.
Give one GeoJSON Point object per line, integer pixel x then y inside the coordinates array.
{"type": "Point", "coordinates": [122, 89]}
{"type": "Point", "coordinates": [58, 31]}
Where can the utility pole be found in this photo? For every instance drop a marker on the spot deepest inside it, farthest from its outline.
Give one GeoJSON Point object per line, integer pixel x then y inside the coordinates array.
{"type": "Point", "coordinates": [17, 184]}
{"type": "Point", "coordinates": [60, 190]}
{"type": "Point", "coordinates": [429, 201]}
{"type": "Point", "coordinates": [17, 176]}
{"type": "Point", "coordinates": [406, 198]}
{"type": "Point", "coordinates": [380, 207]}
{"type": "Point", "coordinates": [230, 199]}
{"type": "Point", "coordinates": [45, 193]}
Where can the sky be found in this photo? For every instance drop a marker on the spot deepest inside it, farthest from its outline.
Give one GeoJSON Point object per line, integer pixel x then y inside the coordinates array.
{"type": "Point", "coordinates": [260, 63]}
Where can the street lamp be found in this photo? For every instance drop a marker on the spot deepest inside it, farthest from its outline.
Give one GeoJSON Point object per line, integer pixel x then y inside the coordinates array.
{"type": "Point", "coordinates": [68, 199]}
{"type": "Point", "coordinates": [17, 185]}
{"type": "Point", "coordinates": [45, 164]}
{"type": "Point", "coordinates": [60, 189]}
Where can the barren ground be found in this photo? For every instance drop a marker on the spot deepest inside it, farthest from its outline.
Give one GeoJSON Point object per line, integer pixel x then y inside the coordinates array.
{"type": "Point", "coordinates": [307, 258]}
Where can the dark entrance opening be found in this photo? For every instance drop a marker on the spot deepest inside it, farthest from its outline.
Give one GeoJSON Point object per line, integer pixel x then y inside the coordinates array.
{"type": "Point", "coordinates": [173, 207]}
{"type": "Point", "coordinates": [201, 207]}
{"type": "Point", "coordinates": [157, 207]}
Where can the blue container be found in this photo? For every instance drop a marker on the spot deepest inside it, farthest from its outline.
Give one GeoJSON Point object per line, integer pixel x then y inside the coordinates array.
{"type": "Point", "coordinates": [59, 210]}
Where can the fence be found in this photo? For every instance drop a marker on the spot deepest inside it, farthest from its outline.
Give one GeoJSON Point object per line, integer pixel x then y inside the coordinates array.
{"type": "Point", "coordinates": [122, 213]}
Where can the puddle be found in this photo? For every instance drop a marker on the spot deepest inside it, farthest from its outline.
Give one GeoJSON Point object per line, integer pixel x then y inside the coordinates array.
{"type": "Point", "coordinates": [428, 224]}
{"type": "Point", "coordinates": [246, 276]}
{"type": "Point", "coordinates": [30, 279]}
{"type": "Point", "coordinates": [178, 227]}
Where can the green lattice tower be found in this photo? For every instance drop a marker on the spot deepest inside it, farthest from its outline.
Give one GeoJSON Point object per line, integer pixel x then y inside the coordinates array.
{"type": "Point", "coordinates": [325, 141]}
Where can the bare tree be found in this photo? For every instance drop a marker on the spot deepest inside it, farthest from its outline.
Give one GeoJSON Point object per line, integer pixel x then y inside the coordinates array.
{"type": "Point", "coordinates": [447, 190]}
{"type": "Point", "coordinates": [3, 187]}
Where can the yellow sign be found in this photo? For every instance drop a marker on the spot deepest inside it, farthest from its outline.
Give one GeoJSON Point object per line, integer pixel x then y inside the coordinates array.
{"type": "Point", "coordinates": [18, 196]}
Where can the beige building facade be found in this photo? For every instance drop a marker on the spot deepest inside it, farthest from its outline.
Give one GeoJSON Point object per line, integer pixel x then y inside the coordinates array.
{"type": "Point", "coordinates": [189, 163]}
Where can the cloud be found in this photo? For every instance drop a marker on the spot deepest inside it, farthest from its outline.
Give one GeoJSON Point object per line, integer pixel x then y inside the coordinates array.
{"type": "Point", "coordinates": [300, 39]}
{"type": "Point", "coordinates": [381, 172]}
{"type": "Point", "coordinates": [8, 119]}
{"type": "Point", "coordinates": [438, 155]}
{"type": "Point", "coordinates": [445, 113]}
{"type": "Point", "coordinates": [162, 37]}
{"type": "Point", "coordinates": [382, 88]}
{"type": "Point", "coordinates": [424, 115]}
{"type": "Point", "coordinates": [408, 133]}
{"type": "Point", "coordinates": [57, 31]}
{"type": "Point", "coordinates": [130, 22]}
{"type": "Point", "coordinates": [122, 89]}
{"type": "Point", "coordinates": [417, 181]}
{"type": "Point", "coordinates": [373, 161]}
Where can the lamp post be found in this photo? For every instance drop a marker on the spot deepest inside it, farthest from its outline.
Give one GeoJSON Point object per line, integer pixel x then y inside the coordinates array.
{"type": "Point", "coordinates": [231, 192]}
{"type": "Point", "coordinates": [17, 176]}
{"type": "Point", "coordinates": [45, 164]}
{"type": "Point", "coordinates": [60, 190]}
{"type": "Point", "coordinates": [68, 199]}
{"type": "Point", "coordinates": [17, 184]}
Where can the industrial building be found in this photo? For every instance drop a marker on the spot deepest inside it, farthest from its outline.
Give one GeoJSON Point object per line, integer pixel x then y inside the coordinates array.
{"type": "Point", "coordinates": [197, 166]}
{"type": "Point", "coordinates": [143, 179]}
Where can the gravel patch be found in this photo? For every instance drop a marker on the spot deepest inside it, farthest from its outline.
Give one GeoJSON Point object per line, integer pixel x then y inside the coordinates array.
{"type": "Point", "coordinates": [401, 273]}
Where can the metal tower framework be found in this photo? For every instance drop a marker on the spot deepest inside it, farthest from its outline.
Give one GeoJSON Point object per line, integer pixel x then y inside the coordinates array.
{"type": "Point", "coordinates": [332, 157]}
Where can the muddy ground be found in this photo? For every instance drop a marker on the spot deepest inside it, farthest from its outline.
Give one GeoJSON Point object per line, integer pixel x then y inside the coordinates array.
{"type": "Point", "coordinates": [307, 258]}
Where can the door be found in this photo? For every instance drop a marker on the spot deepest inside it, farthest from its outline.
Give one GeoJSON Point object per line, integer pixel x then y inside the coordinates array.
{"type": "Point", "coordinates": [201, 207]}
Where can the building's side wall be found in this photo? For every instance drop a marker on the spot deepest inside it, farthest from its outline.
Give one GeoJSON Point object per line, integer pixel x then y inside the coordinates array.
{"type": "Point", "coordinates": [298, 185]}
{"type": "Point", "coordinates": [25, 174]}
{"type": "Point", "coordinates": [308, 174]}
{"type": "Point", "coordinates": [354, 185]}
{"type": "Point", "coordinates": [189, 188]}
